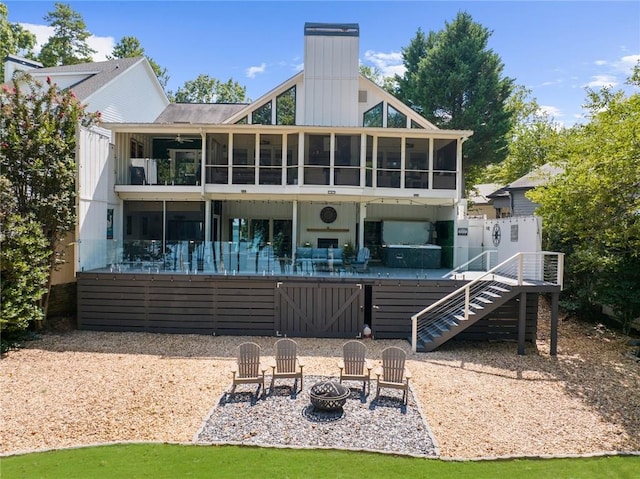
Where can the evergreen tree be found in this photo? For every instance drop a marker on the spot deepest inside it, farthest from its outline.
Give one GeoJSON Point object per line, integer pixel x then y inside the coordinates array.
{"type": "Point", "coordinates": [130, 47]}
{"type": "Point", "coordinates": [455, 81]}
{"type": "Point", "coordinates": [68, 45]}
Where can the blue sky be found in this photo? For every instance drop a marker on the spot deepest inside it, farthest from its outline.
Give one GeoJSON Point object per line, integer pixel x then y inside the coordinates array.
{"type": "Point", "coordinates": [555, 49]}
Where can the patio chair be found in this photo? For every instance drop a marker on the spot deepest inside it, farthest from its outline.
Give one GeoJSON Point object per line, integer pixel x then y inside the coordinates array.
{"type": "Point", "coordinates": [286, 364]}
{"type": "Point", "coordinates": [393, 373]}
{"type": "Point", "coordinates": [354, 366]}
{"type": "Point", "coordinates": [247, 369]}
{"type": "Point", "coordinates": [361, 263]}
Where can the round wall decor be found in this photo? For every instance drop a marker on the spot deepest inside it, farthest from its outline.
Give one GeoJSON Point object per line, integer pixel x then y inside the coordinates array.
{"type": "Point", "coordinates": [328, 214]}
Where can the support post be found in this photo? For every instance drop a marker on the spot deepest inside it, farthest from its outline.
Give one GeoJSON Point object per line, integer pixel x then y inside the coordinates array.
{"type": "Point", "coordinates": [522, 323]}
{"type": "Point", "coordinates": [553, 348]}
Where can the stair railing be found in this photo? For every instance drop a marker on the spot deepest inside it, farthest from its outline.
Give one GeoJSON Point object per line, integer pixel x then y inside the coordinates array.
{"type": "Point", "coordinates": [535, 268]}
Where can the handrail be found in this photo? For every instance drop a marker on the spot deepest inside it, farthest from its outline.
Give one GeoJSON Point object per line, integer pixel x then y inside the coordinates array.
{"type": "Point", "coordinates": [487, 253]}
{"type": "Point", "coordinates": [518, 260]}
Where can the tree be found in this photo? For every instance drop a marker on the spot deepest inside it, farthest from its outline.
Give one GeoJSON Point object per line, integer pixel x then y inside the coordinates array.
{"type": "Point", "coordinates": [533, 140]}
{"type": "Point", "coordinates": [23, 267]}
{"type": "Point", "coordinates": [456, 82]}
{"type": "Point", "coordinates": [14, 40]}
{"type": "Point", "coordinates": [130, 47]}
{"type": "Point", "coordinates": [68, 45]}
{"type": "Point", "coordinates": [374, 74]}
{"type": "Point", "coordinates": [37, 156]}
{"type": "Point", "coordinates": [592, 211]}
{"type": "Point", "coordinates": [206, 89]}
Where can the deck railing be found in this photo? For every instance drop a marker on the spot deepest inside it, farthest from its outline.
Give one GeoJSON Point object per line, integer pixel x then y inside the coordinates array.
{"type": "Point", "coordinates": [523, 268]}
{"type": "Point", "coordinates": [482, 262]}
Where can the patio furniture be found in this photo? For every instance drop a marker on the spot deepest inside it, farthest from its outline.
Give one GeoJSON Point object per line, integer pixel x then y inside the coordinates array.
{"type": "Point", "coordinates": [286, 363]}
{"type": "Point", "coordinates": [393, 373]}
{"type": "Point", "coordinates": [361, 263]}
{"type": "Point", "coordinates": [247, 369]}
{"type": "Point", "coordinates": [354, 366]}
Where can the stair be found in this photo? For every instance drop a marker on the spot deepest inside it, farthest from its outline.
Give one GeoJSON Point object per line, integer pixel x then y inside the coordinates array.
{"type": "Point", "coordinates": [449, 320]}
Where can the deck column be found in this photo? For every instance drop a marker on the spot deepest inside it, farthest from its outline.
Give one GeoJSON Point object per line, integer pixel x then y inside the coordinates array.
{"type": "Point", "coordinates": [522, 323]}
{"type": "Point", "coordinates": [553, 347]}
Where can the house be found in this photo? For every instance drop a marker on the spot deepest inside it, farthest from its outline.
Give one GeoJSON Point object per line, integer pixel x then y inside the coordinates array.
{"type": "Point", "coordinates": [234, 218]}
{"type": "Point", "coordinates": [513, 196]}
{"type": "Point", "coordinates": [121, 90]}
{"type": "Point", "coordinates": [481, 204]}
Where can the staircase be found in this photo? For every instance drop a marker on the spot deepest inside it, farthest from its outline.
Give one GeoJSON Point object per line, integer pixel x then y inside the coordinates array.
{"type": "Point", "coordinates": [451, 315]}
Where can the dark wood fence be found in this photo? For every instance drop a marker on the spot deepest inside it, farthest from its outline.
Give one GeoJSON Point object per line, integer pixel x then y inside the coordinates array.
{"type": "Point", "coordinates": [269, 306]}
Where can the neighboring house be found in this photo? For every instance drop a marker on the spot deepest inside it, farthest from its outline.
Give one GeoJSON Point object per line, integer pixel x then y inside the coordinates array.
{"type": "Point", "coordinates": [121, 90]}
{"type": "Point", "coordinates": [512, 198]}
{"type": "Point", "coordinates": [481, 204]}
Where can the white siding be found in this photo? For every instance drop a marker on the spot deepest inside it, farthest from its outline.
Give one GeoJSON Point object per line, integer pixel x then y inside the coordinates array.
{"type": "Point", "coordinates": [95, 186]}
{"type": "Point", "coordinates": [131, 97]}
{"type": "Point", "coordinates": [331, 81]}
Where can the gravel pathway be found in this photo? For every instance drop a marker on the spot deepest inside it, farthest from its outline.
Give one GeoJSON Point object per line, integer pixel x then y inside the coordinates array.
{"type": "Point", "coordinates": [285, 417]}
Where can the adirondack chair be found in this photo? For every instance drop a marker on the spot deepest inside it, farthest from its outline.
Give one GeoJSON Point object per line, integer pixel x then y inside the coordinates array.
{"type": "Point", "coordinates": [286, 364]}
{"type": "Point", "coordinates": [354, 366]}
{"type": "Point", "coordinates": [247, 369]}
{"type": "Point", "coordinates": [361, 263]}
{"type": "Point", "coordinates": [393, 373]}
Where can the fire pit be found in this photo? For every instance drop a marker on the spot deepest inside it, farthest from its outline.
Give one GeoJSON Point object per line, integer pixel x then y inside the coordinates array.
{"type": "Point", "coordinates": [328, 395]}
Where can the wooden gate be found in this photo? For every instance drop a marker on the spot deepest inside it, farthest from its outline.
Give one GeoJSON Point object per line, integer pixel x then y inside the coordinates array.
{"type": "Point", "coordinates": [320, 310]}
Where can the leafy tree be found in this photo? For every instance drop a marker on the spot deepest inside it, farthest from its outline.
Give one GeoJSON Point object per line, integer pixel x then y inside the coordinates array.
{"type": "Point", "coordinates": [14, 40]}
{"type": "Point", "coordinates": [534, 139]}
{"type": "Point", "coordinates": [374, 74]}
{"type": "Point", "coordinates": [130, 47]}
{"type": "Point", "coordinates": [206, 89]}
{"type": "Point", "coordinates": [456, 82]}
{"type": "Point", "coordinates": [592, 211]}
{"type": "Point", "coordinates": [37, 156]}
{"type": "Point", "coordinates": [68, 45]}
{"type": "Point", "coordinates": [23, 266]}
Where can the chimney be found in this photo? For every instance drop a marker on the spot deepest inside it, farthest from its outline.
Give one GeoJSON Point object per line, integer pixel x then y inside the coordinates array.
{"type": "Point", "coordinates": [14, 63]}
{"type": "Point", "coordinates": [331, 74]}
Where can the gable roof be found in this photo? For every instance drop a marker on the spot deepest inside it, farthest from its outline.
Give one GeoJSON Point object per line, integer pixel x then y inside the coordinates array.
{"type": "Point", "coordinates": [94, 76]}
{"type": "Point", "coordinates": [481, 194]}
{"type": "Point", "coordinates": [213, 113]}
{"type": "Point", "coordinates": [537, 177]}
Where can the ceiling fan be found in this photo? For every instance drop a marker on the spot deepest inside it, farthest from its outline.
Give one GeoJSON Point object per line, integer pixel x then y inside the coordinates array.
{"type": "Point", "coordinates": [181, 140]}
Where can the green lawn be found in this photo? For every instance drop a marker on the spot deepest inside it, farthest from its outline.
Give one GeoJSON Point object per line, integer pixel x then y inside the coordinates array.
{"type": "Point", "coordinates": [159, 461]}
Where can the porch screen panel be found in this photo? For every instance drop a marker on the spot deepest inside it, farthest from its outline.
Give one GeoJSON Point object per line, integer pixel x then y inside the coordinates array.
{"type": "Point", "coordinates": [389, 162]}
{"type": "Point", "coordinates": [217, 168]}
{"type": "Point", "coordinates": [142, 230]}
{"type": "Point", "coordinates": [444, 164]}
{"type": "Point", "coordinates": [244, 159]}
{"type": "Point", "coordinates": [317, 159]}
{"type": "Point", "coordinates": [347, 160]}
{"type": "Point", "coordinates": [270, 160]}
{"type": "Point", "coordinates": [416, 163]}
{"type": "Point", "coordinates": [292, 159]}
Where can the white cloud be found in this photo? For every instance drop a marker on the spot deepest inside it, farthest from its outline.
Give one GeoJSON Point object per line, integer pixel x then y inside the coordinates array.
{"type": "Point", "coordinates": [627, 63]}
{"type": "Point", "coordinates": [552, 111]}
{"type": "Point", "coordinates": [253, 71]}
{"type": "Point", "coordinates": [599, 81]}
{"type": "Point", "coordinates": [389, 64]}
{"type": "Point", "coordinates": [601, 62]}
{"type": "Point", "coordinates": [102, 45]}
{"type": "Point", "coordinates": [298, 67]}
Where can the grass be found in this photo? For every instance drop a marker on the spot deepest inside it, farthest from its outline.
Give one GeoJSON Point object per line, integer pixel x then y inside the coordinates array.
{"type": "Point", "coordinates": [158, 461]}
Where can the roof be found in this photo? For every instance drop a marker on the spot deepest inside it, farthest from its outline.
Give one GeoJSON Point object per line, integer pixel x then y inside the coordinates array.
{"type": "Point", "coordinates": [479, 194]}
{"type": "Point", "coordinates": [537, 177]}
{"type": "Point", "coordinates": [98, 74]}
{"type": "Point", "coordinates": [212, 113]}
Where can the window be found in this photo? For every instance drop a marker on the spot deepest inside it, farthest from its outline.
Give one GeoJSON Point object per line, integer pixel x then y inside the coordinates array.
{"type": "Point", "coordinates": [286, 107]}
{"type": "Point", "coordinates": [262, 115]}
{"type": "Point", "coordinates": [395, 119]}
{"type": "Point", "coordinates": [373, 117]}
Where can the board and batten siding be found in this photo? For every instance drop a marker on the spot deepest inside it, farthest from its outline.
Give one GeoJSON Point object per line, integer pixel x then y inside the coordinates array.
{"type": "Point", "coordinates": [522, 206]}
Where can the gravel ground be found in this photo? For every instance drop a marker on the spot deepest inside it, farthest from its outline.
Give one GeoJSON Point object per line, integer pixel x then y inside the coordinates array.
{"type": "Point", "coordinates": [284, 416]}
{"type": "Point", "coordinates": [479, 399]}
